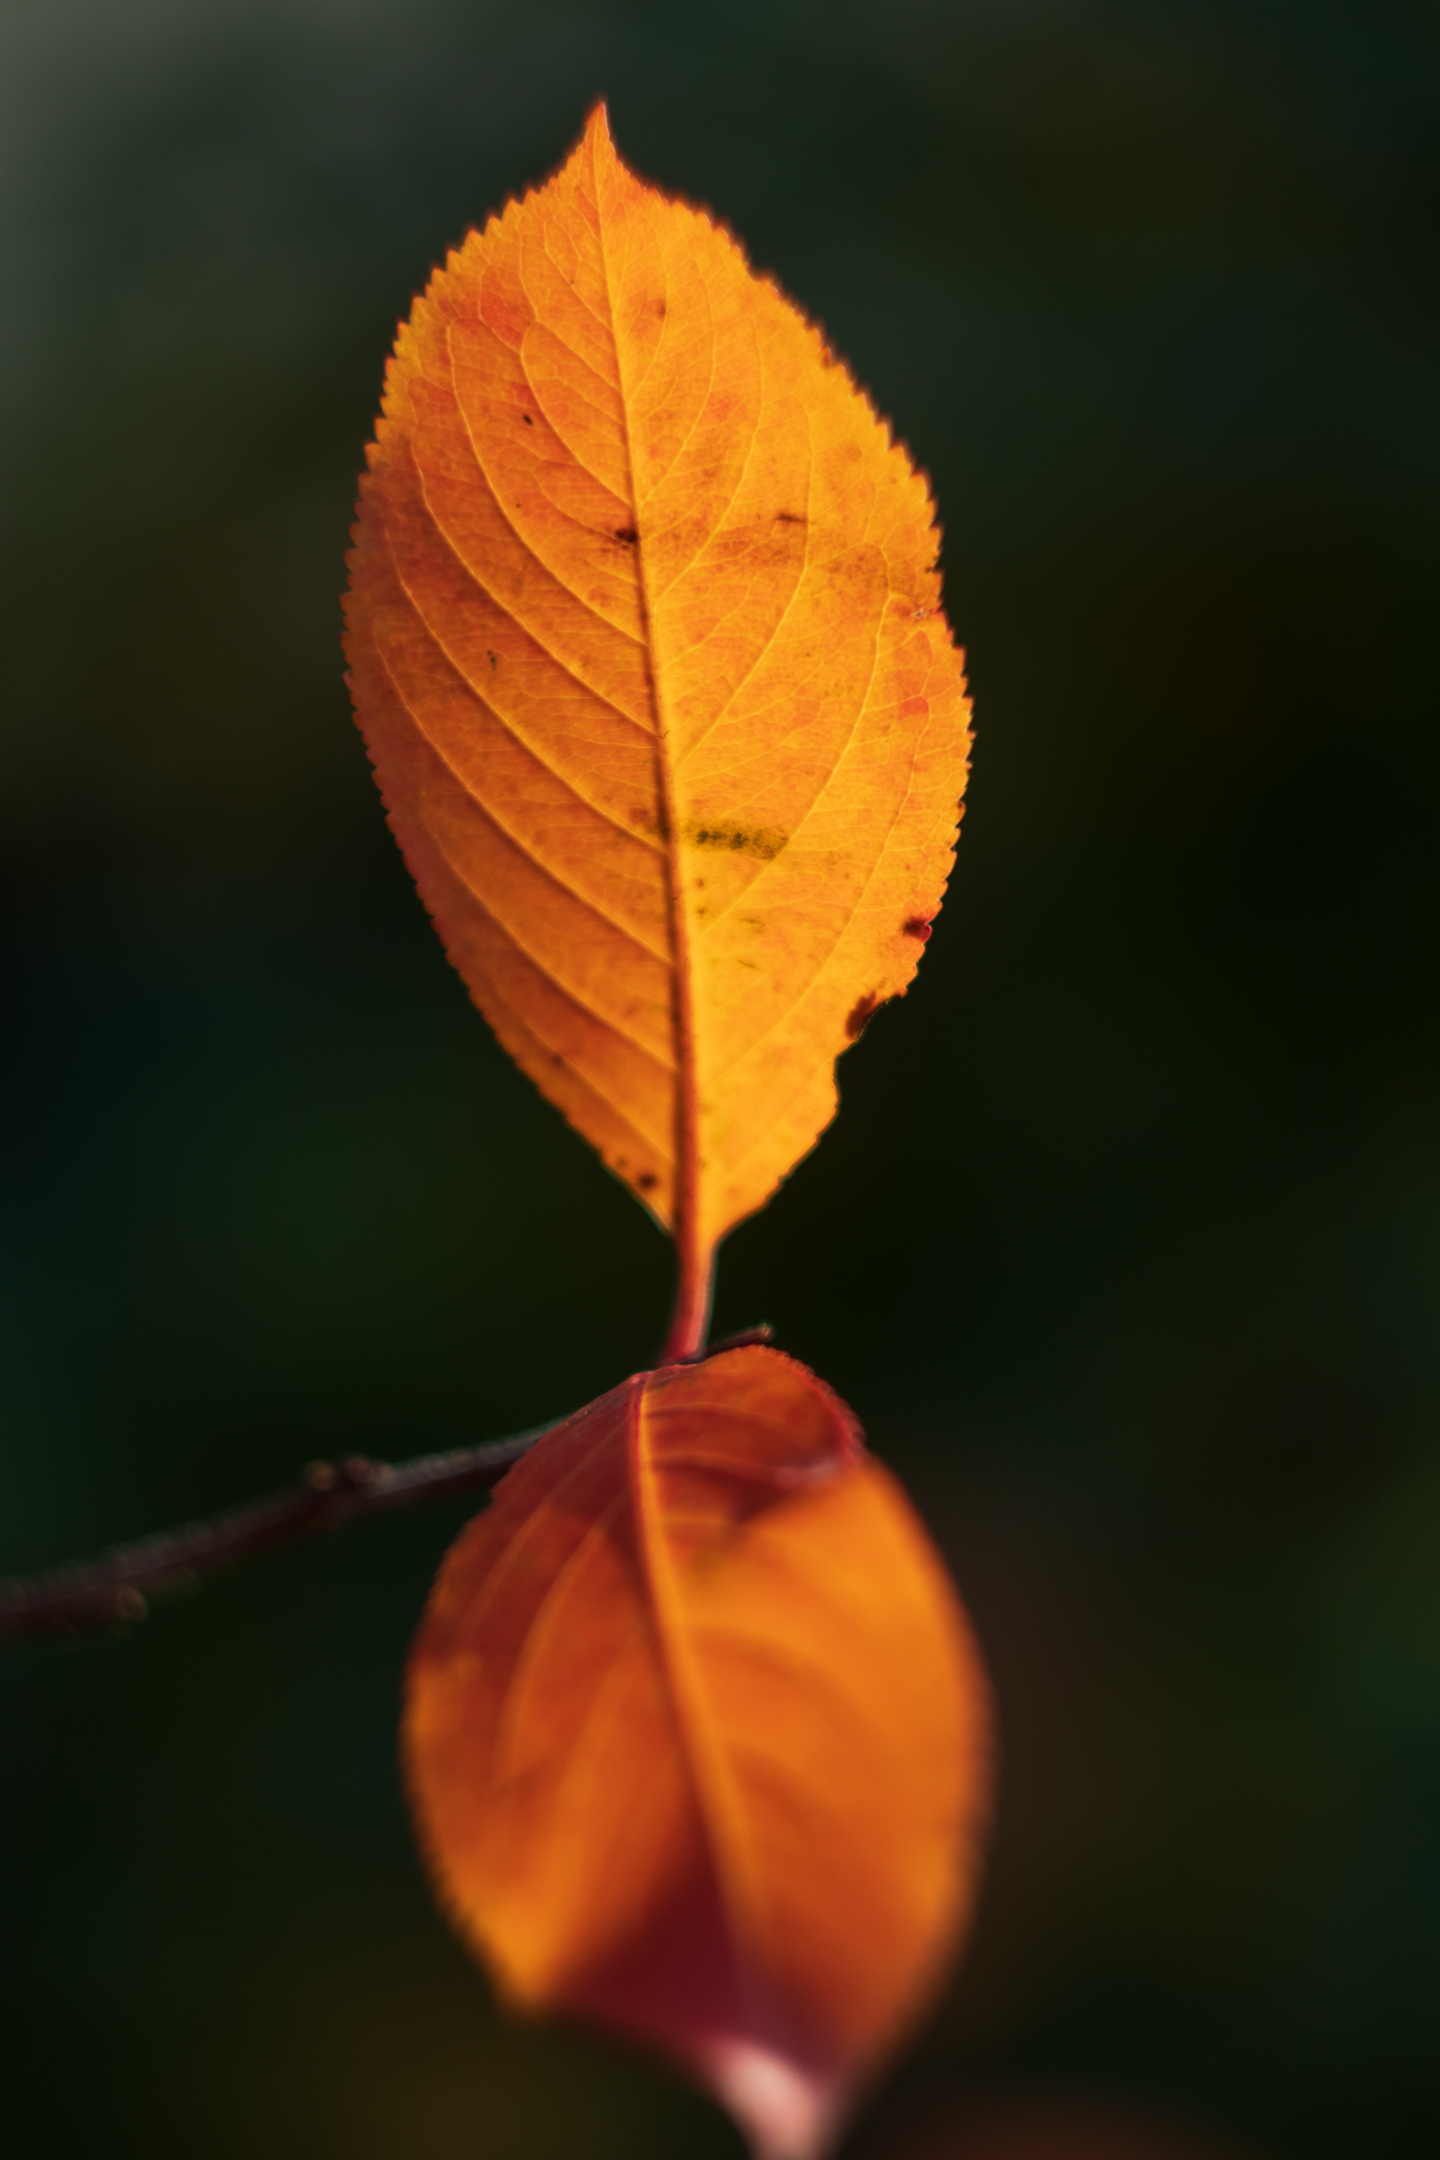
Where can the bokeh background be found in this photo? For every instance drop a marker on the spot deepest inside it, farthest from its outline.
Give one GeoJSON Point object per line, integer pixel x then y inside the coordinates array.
{"type": "Point", "coordinates": [1126, 1247]}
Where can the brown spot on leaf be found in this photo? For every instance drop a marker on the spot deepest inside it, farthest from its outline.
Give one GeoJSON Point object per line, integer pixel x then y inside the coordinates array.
{"type": "Point", "coordinates": [859, 1013]}
{"type": "Point", "coordinates": [765, 841]}
{"type": "Point", "coordinates": [916, 926]}
{"type": "Point", "coordinates": [527, 419]}
{"type": "Point", "coordinates": [628, 534]}
{"type": "Point", "coordinates": [788, 517]}
{"type": "Point", "coordinates": [647, 1180]}
{"type": "Point", "coordinates": [490, 656]}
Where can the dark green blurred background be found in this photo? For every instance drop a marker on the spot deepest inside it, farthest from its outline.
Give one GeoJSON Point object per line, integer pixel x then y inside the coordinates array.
{"type": "Point", "coordinates": [1127, 1245]}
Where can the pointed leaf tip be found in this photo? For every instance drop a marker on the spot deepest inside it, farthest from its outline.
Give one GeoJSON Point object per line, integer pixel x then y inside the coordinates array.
{"type": "Point", "coordinates": [784, 2111]}
{"type": "Point", "coordinates": [697, 1739]}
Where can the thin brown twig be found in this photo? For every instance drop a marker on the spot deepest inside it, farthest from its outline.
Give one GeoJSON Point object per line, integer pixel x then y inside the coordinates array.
{"type": "Point", "coordinates": [119, 1585]}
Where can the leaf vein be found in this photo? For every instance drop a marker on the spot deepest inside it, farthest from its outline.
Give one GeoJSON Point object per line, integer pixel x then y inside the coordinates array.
{"type": "Point", "coordinates": [492, 817]}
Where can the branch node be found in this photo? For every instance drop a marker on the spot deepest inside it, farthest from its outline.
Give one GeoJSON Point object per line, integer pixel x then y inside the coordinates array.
{"type": "Point", "coordinates": [746, 1339]}
{"type": "Point", "coordinates": [107, 1591]}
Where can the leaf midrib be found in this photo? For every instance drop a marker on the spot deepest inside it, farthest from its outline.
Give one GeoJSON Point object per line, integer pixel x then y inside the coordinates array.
{"type": "Point", "coordinates": [685, 1209]}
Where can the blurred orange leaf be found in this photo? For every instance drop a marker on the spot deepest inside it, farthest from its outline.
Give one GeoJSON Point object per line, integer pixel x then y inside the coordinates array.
{"type": "Point", "coordinates": [697, 1738]}
{"type": "Point", "coordinates": [645, 639]}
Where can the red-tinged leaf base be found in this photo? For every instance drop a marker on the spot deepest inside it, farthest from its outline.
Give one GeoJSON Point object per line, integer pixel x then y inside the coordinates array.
{"type": "Point", "coordinates": [697, 1738]}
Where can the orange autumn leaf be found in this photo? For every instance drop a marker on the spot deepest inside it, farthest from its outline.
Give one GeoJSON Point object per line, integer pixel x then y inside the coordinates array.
{"type": "Point", "coordinates": [646, 643]}
{"type": "Point", "coordinates": [697, 1738]}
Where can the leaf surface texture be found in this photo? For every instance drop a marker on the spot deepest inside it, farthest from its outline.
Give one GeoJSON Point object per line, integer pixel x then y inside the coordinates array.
{"type": "Point", "coordinates": [645, 639]}
{"type": "Point", "coordinates": [697, 1738]}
